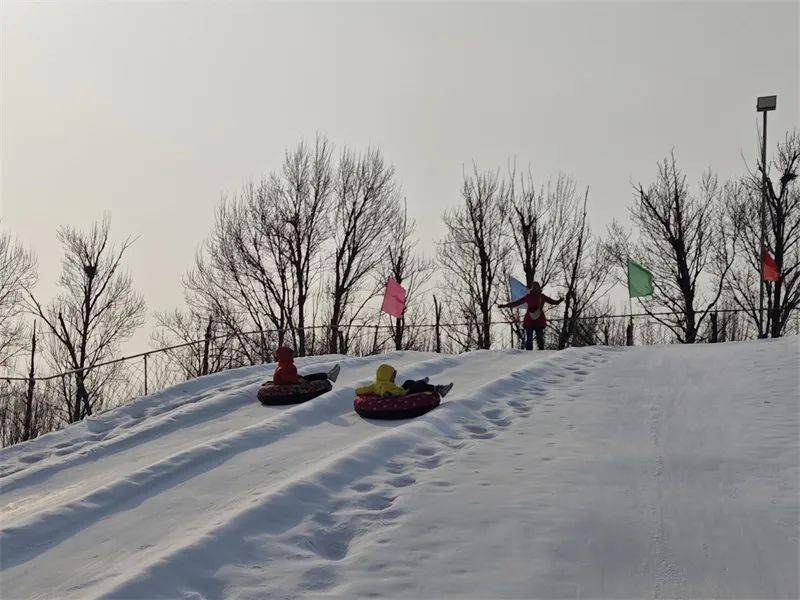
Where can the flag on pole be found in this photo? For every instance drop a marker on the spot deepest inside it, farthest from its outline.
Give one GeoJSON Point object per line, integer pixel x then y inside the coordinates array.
{"type": "Point", "coordinates": [516, 289]}
{"type": "Point", "coordinates": [394, 299]}
{"type": "Point", "coordinates": [640, 280]}
{"type": "Point", "coordinates": [770, 267]}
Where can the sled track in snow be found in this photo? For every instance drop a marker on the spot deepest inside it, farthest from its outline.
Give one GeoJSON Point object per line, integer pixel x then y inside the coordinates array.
{"type": "Point", "coordinates": [233, 477]}
{"type": "Point", "coordinates": [326, 521]}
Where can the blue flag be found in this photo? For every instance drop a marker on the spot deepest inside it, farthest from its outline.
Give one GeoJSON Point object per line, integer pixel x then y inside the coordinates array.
{"type": "Point", "coordinates": [516, 289]}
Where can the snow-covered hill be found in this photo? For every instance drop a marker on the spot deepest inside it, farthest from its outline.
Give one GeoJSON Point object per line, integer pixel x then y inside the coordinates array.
{"type": "Point", "coordinates": [602, 472]}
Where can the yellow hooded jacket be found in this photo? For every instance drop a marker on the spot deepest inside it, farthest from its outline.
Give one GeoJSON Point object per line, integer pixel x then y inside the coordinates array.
{"type": "Point", "coordinates": [384, 384]}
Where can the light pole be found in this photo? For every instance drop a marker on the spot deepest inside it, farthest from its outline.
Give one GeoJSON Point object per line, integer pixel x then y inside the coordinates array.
{"type": "Point", "coordinates": [763, 105]}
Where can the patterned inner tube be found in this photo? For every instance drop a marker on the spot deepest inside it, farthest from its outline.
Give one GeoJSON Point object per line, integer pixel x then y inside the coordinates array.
{"type": "Point", "coordinates": [396, 407]}
{"type": "Point", "coordinates": [272, 394]}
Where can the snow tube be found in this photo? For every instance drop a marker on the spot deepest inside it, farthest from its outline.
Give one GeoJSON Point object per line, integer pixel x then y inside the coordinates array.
{"type": "Point", "coordinates": [272, 394]}
{"type": "Point", "coordinates": [396, 407]}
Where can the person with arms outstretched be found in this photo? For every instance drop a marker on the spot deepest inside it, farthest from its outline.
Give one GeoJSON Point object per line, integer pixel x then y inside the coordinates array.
{"type": "Point", "coordinates": [534, 321]}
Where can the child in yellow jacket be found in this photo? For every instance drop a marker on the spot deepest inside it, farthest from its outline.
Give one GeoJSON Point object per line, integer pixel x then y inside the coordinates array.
{"type": "Point", "coordinates": [384, 385]}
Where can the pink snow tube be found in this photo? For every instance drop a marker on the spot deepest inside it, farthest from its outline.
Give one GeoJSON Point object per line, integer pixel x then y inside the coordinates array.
{"type": "Point", "coordinates": [273, 394]}
{"type": "Point", "coordinates": [396, 407]}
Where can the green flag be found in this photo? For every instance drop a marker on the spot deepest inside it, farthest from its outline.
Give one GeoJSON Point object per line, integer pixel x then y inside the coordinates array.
{"type": "Point", "coordinates": [640, 280]}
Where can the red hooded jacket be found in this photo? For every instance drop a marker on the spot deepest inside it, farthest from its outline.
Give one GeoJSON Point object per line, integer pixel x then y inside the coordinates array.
{"type": "Point", "coordinates": [534, 317]}
{"type": "Point", "coordinates": [285, 373]}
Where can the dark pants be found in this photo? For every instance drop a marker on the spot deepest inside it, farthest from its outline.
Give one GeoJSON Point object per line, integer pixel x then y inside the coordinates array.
{"type": "Point", "coordinates": [529, 331]}
{"type": "Point", "coordinates": [415, 387]}
{"type": "Point", "coordinates": [315, 377]}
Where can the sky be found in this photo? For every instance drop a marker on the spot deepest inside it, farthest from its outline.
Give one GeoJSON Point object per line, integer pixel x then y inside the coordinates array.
{"type": "Point", "coordinates": [149, 111]}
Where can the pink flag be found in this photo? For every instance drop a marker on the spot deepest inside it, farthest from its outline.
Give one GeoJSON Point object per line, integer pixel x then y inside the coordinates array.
{"type": "Point", "coordinates": [770, 267]}
{"type": "Point", "coordinates": [394, 299]}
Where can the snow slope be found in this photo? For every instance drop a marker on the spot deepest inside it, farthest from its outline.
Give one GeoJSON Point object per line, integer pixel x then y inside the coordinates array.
{"type": "Point", "coordinates": [659, 472]}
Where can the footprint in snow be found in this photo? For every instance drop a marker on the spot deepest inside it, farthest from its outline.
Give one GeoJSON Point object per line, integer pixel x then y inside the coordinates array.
{"type": "Point", "coordinates": [379, 501]}
{"type": "Point", "coordinates": [331, 544]}
{"type": "Point", "coordinates": [362, 486]}
{"type": "Point", "coordinates": [31, 458]}
{"type": "Point", "coordinates": [402, 481]}
{"type": "Point", "coordinates": [430, 463]}
{"type": "Point", "coordinates": [319, 579]}
{"type": "Point", "coordinates": [426, 451]}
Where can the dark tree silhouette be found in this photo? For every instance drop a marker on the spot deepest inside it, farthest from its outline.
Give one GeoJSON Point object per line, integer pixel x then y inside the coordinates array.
{"type": "Point", "coordinates": [365, 212]}
{"type": "Point", "coordinates": [474, 254]}
{"type": "Point", "coordinates": [243, 275]}
{"type": "Point", "coordinates": [585, 269]}
{"type": "Point", "coordinates": [17, 273]}
{"type": "Point", "coordinates": [782, 239]}
{"type": "Point", "coordinates": [683, 242]}
{"type": "Point", "coordinates": [302, 195]}
{"type": "Point", "coordinates": [404, 264]}
{"type": "Point", "coordinates": [95, 311]}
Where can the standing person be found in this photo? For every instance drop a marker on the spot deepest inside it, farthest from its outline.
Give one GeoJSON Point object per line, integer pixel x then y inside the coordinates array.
{"type": "Point", "coordinates": [535, 321]}
{"type": "Point", "coordinates": [286, 372]}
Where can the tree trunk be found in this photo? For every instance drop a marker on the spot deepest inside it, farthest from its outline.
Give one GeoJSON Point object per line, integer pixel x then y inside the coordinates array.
{"type": "Point", "coordinates": [714, 328]}
{"type": "Point", "coordinates": [82, 397]}
{"type": "Point", "coordinates": [206, 346]}
{"type": "Point", "coordinates": [437, 310]}
{"type": "Point", "coordinates": [301, 325]}
{"type": "Point", "coordinates": [398, 333]}
{"type": "Point", "coordinates": [27, 433]}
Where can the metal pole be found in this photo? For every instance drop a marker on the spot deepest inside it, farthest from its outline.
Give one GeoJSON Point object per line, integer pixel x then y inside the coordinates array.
{"type": "Point", "coordinates": [762, 322]}
{"type": "Point", "coordinates": [145, 374]}
{"type": "Point", "coordinates": [629, 329]}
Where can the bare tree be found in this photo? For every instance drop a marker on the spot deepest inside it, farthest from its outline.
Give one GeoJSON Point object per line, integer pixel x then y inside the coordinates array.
{"type": "Point", "coordinates": [683, 242]}
{"type": "Point", "coordinates": [783, 237]}
{"type": "Point", "coordinates": [94, 313]}
{"type": "Point", "coordinates": [403, 263]}
{"type": "Point", "coordinates": [243, 275]}
{"type": "Point", "coordinates": [215, 348]}
{"type": "Point", "coordinates": [538, 222]}
{"type": "Point", "coordinates": [584, 273]}
{"type": "Point", "coordinates": [17, 273]}
{"type": "Point", "coordinates": [474, 253]}
{"type": "Point", "coordinates": [302, 197]}
{"type": "Point", "coordinates": [365, 209]}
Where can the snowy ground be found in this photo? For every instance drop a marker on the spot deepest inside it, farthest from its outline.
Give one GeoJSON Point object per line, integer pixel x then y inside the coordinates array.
{"type": "Point", "coordinates": [597, 472]}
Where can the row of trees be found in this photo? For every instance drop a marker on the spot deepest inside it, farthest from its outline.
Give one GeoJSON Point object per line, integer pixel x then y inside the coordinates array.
{"type": "Point", "coordinates": [301, 255]}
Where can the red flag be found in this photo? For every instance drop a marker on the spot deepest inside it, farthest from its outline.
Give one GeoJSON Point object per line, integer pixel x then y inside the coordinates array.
{"type": "Point", "coordinates": [394, 299]}
{"type": "Point", "coordinates": [770, 267]}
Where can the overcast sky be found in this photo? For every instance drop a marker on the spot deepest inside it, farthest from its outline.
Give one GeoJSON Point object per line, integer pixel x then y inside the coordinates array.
{"type": "Point", "coordinates": [150, 110]}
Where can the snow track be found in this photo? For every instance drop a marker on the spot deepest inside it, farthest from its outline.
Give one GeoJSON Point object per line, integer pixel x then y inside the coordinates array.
{"type": "Point", "coordinates": [217, 466]}
{"type": "Point", "coordinates": [658, 472]}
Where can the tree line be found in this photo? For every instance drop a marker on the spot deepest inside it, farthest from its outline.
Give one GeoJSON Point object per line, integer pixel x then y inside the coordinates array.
{"type": "Point", "coordinates": [299, 257]}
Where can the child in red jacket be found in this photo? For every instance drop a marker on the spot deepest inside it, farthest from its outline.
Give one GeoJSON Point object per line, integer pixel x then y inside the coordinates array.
{"type": "Point", "coordinates": [286, 373]}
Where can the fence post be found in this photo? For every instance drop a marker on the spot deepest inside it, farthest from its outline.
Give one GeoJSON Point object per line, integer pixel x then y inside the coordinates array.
{"type": "Point", "coordinates": [714, 329]}
{"type": "Point", "coordinates": [145, 374]}
{"type": "Point", "coordinates": [375, 341]}
{"type": "Point", "coordinates": [437, 313]}
{"type": "Point", "coordinates": [66, 393]}
{"type": "Point", "coordinates": [31, 382]}
{"type": "Point", "coordinates": [629, 333]}
{"type": "Point", "coordinates": [206, 345]}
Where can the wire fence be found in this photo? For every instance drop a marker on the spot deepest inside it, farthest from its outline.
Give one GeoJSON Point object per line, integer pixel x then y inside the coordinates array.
{"type": "Point", "coordinates": [34, 404]}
